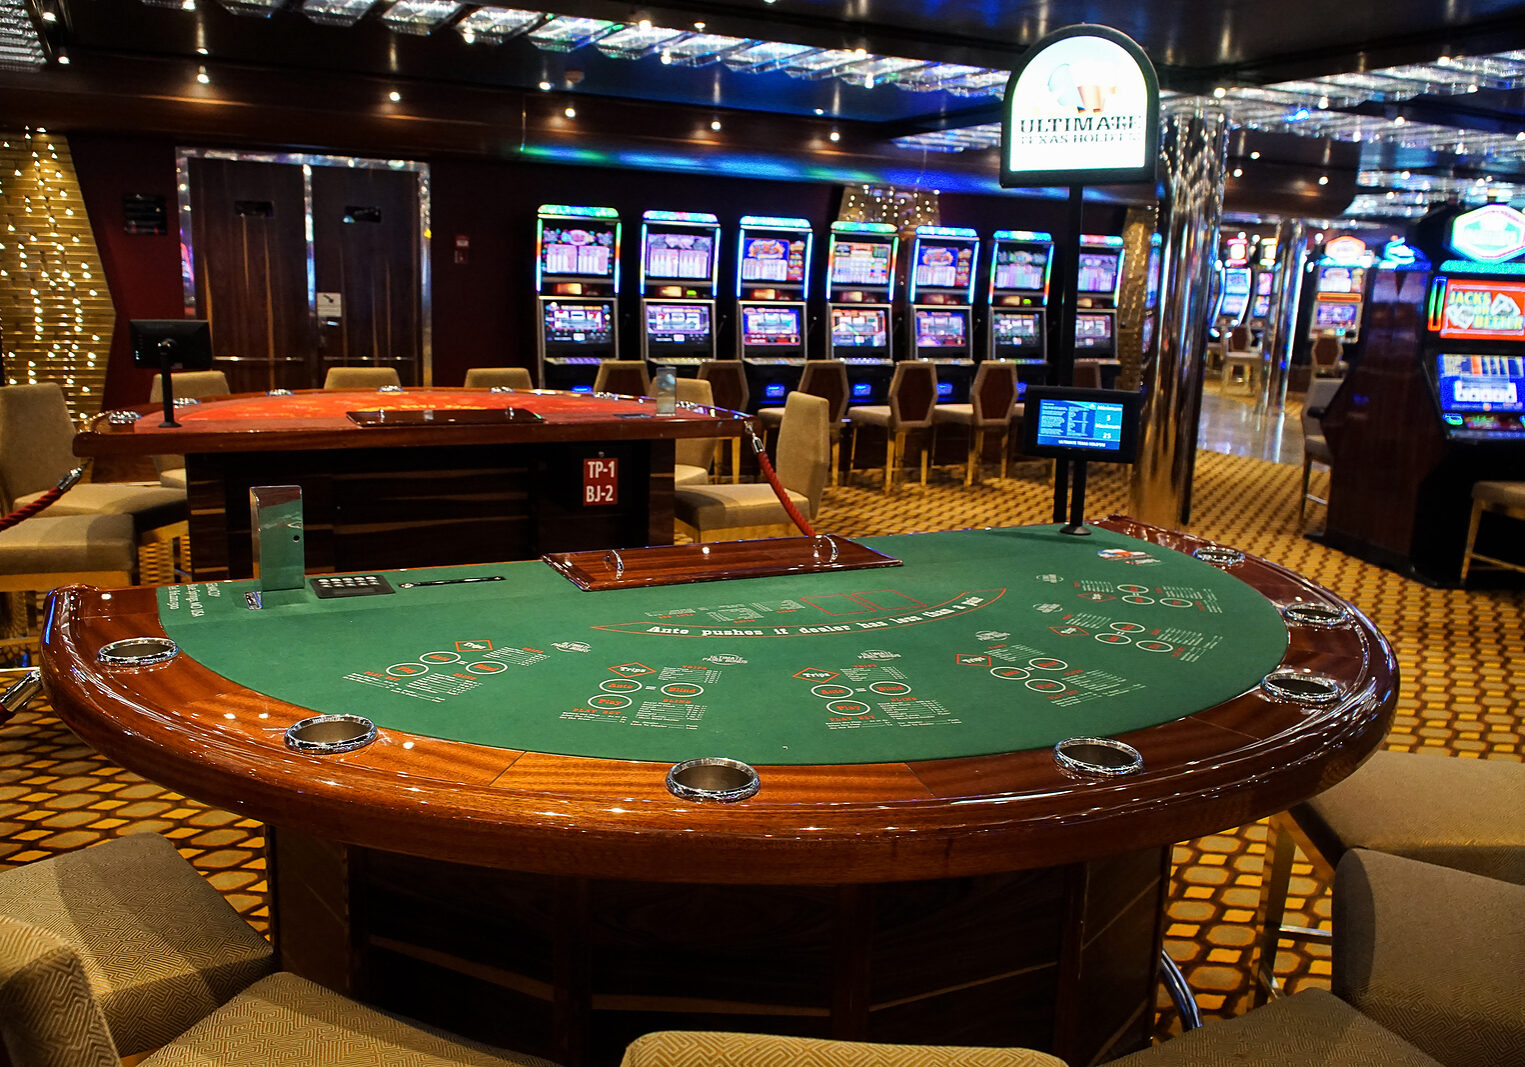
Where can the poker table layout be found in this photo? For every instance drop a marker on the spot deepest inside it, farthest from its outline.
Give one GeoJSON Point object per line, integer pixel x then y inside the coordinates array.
{"type": "Point", "coordinates": [401, 478]}
{"type": "Point", "coordinates": [505, 857]}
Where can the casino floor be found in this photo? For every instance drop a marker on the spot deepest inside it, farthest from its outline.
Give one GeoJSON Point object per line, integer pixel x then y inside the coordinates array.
{"type": "Point", "coordinates": [1456, 701]}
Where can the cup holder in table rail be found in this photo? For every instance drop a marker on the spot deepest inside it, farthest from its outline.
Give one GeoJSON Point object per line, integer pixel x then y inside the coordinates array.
{"type": "Point", "coordinates": [1218, 555]}
{"type": "Point", "coordinates": [120, 418]}
{"type": "Point", "coordinates": [329, 734]}
{"type": "Point", "coordinates": [138, 652]}
{"type": "Point", "coordinates": [714, 779]}
{"type": "Point", "coordinates": [1302, 687]}
{"type": "Point", "coordinates": [1312, 613]}
{"type": "Point", "coordinates": [1099, 757]}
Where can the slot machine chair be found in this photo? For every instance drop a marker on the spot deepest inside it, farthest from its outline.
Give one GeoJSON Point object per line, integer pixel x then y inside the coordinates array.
{"type": "Point", "coordinates": [693, 456]}
{"type": "Point", "coordinates": [824, 378]}
{"type": "Point", "coordinates": [1315, 448]}
{"type": "Point", "coordinates": [993, 400]}
{"type": "Point", "coordinates": [362, 378]}
{"type": "Point", "coordinates": [1086, 374]}
{"type": "Point", "coordinates": [732, 512]}
{"type": "Point", "coordinates": [1459, 813]}
{"type": "Point", "coordinates": [912, 398]}
{"type": "Point", "coordinates": [187, 385]}
{"type": "Point", "coordinates": [627, 377]}
{"type": "Point", "coordinates": [501, 377]}
{"type": "Point", "coordinates": [1328, 357]}
{"type": "Point", "coordinates": [1496, 498]}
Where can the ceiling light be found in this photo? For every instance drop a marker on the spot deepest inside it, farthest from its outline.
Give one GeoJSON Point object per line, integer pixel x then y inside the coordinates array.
{"type": "Point", "coordinates": [835, 136]}
{"type": "Point", "coordinates": [394, 96]}
{"type": "Point", "coordinates": [1254, 155]}
{"type": "Point", "coordinates": [202, 50]}
{"type": "Point", "coordinates": [699, 26]}
{"type": "Point", "coordinates": [1239, 172]}
{"type": "Point", "coordinates": [49, 16]}
{"type": "Point", "coordinates": [822, 111]}
{"type": "Point", "coordinates": [202, 76]}
{"type": "Point", "coordinates": [1323, 179]}
{"type": "Point", "coordinates": [545, 87]}
{"type": "Point", "coordinates": [63, 59]}
{"type": "Point", "coordinates": [570, 112]}
{"type": "Point", "coordinates": [1219, 93]}
{"type": "Point", "coordinates": [714, 124]}
{"type": "Point", "coordinates": [644, 24]}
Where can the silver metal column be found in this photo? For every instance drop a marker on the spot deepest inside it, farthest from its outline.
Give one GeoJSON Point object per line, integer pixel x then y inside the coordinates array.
{"type": "Point", "coordinates": [1277, 339]}
{"type": "Point", "coordinates": [1194, 157]}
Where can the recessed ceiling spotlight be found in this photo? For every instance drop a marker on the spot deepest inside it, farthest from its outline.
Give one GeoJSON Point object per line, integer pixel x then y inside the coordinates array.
{"type": "Point", "coordinates": [1520, 136]}
{"type": "Point", "coordinates": [50, 16]}
{"type": "Point", "coordinates": [202, 76]}
{"type": "Point", "coordinates": [201, 50]}
{"type": "Point", "coordinates": [1254, 155]}
{"type": "Point", "coordinates": [570, 112]}
{"type": "Point", "coordinates": [835, 136]}
{"type": "Point", "coordinates": [714, 124]}
{"type": "Point", "coordinates": [1323, 103]}
{"type": "Point", "coordinates": [545, 87]}
{"type": "Point", "coordinates": [1323, 179]}
{"type": "Point", "coordinates": [1219, 93]}
{"type": "Point", "coordinates": [394, 96]}
{"type": "Point", "coordinates": [666, 59]}
{"type": "Point", "coordinates": [822, 111]}
{"type": "Point", "coordinates": [1239, 172]}
{"type": "Point", "coordinates": [699, 26]}
{"type": "Point", "coordinates": [644, 24]}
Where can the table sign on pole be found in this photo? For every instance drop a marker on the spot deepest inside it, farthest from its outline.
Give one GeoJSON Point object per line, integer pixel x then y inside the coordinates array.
{"type": "Point", "coordinates": [1082, 108]}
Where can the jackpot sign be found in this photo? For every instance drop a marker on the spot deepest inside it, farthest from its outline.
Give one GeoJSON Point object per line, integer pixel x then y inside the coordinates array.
{"type": "Point", "coordinates": [1082, 107]}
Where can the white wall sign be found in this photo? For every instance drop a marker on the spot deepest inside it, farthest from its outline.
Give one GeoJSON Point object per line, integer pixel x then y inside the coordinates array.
{"type": "Point", "coordinates": [1082, 108]}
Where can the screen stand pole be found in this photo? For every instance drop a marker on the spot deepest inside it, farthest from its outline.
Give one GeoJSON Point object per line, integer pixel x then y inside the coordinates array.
{"type": "Point", "coordinates": [1077, 525]}
{"type": "Point", "coordinates": [1061, 363]}
{"type": "Point", "coordinates": [166, 360]}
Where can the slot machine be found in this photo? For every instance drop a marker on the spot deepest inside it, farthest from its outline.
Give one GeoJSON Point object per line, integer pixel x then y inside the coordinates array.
{"type": "Point", "coordinates": [1436, 403]}
{"type": "Point", "coordinates": [773, 257]}
{"type": "Point", "coordinates": [1099, 279]}
{"type": "Point", "coordinates": [1234, 299]}
{"type": "Point", "coordinates": [944, 264]}
{"type": "Point", "coordinates": [1021, 262]}
{"type": "Point", "coordinates": [680, 255]}
{"type": "Point", "coordinates": [860, 288]}
{"type": "Point", "coordinates": [577, 284]}
{"type": "Point", "coordinates": [1339, 288]}
{"type": "Point", "coordinates": [1260, 306]}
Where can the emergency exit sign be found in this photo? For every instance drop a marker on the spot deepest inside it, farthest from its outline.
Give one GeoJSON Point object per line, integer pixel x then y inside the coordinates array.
{"type": "Point", "coordinates": [600, 482]}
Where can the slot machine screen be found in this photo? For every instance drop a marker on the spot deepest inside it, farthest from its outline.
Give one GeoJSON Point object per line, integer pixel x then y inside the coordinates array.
{"type": "Point", "coordinates": [1261, 308]}
{"type": "Point", "coordinates": [1335, 314]}
{"type": "Point", "coordinates": [866, 330]}
{"type": "Point", "coordinates": [1093, 331]}
{"type": "Point", "coordinates": [672, 326]}
{"type": "Point", "coordinates": [773, 259]}
{"type": "Point", "coordinates": [942, 329]}
{"type": "Point", "coordinates": [1089, 424]}
{"type": "Point", "coordinates": [1336, 280]}
{"type": "Point", "coordinates": [943, 266]}
{"type": "Point", "coordinates": [770, 327]}
{"type": "Point", "coordinates": [584, 248]}
{"type": "Point", "coordinates": [860, 263]}
{"type": "Point", "coordinates": [1098, 272]}
{"type": "Point", "coordinates": [1481, 394]}
{"type": "Point", "coordinates": [1264, 282]}
{"type": "Point", "coordinates": [575, 325]}
{"type": "Point", "coordinates": [1232, 306]}
{"type": "Point", "coordinates": [679, 255]}
{"type": "Point", "coordinates": [1017, 334]}
{"type": "Point", "coordinates": [1482, 311]}
{"type": "Point", "coordinates": [1020, 268]}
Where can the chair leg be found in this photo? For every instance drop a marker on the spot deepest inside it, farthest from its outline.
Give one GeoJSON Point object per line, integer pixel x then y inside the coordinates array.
{"type": "Point", "coordinates": [891, 441]}
{"type": "Point", "coordinates": [926, 458]}
{"type": "Point", "coordinates": [1302, 501]}
{"type": "Point", "coordinates": [976, 453]}
{"type": "Point", "coordinates": [735, 460]}
{"type": "Point", "coordinates": [836, 461]}
{"type": "Point", "coordinates": [1466, 556]}
{"type": "Point", "coordinates": [1275, 876]}
{"type": "Point", "coordinates": [852, 454]}
{"type": "Point", "coordinates": [1005, 447]}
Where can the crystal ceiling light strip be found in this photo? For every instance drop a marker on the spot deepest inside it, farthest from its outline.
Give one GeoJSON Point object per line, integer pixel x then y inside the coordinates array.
{"type": "Point", "coordinates": [254, 8]}
{"type": "Point", "coordinates": [934, 76]}
{"type": "Point", "coordinates": [878, 70]}
{"type": "Point", "coordinates": [420, 17]}
{"type": "Point", "coordinates": [20, 47]}
{"type": "Point", "coordinates": [820, 64]}
{"type": "Point", "coordinates": [702, 49]}
{"type": "Point", "coordinates": [637, 42]}
{"type": "Point", "coordinates": [986, 83]}
{"type": "Point", "coordinates": [494, 25]}
{"type": "Point", "coordinates": [761, 57]}
{"type": "Point", "coordinates": [336, 12]}
{"type": "Point", "coordinates": [567, 34]}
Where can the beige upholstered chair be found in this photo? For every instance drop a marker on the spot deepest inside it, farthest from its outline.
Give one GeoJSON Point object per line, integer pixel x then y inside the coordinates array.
{"type": "Point", "coordinates": [677, 1048]}
{"type": "Point", "coordinates": [731, 512]}
{"type": "Point", "coordinates": [912, 396]}
{"type": "Point", "coordinates": [1496, 498]}
{"type": "Point", "coordinates": [693, 455]}
{"type": "Point", "coordinates": [1460, 813]}
{"type": "Point", "coordinates": [627, 377]}
{"type": "Point", "coordinates": [728, 382]}
{"type": "Point", "coordinates": [361, 378]}
{"type": "Point", "coordinates": [47, 551]}
{"type": "Point", "coordinates": [122, 948]}
{"type": "Point", "coordinates": [509, 377]}
{"type": "Point", "coordinates": [186, 385]}
{"type": "Point", "coordinates": [992, 399]}
{"type": "Point", "coordinates": [1433, 954]}
{"type": "Point", "coordinates": [825, 378]}
{"type": "Point", "coordinates": [1315, 449]}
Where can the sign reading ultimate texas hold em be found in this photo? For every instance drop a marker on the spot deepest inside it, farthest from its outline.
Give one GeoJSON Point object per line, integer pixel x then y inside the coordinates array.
{"type": "Point", "coordinates": [1082, 108]}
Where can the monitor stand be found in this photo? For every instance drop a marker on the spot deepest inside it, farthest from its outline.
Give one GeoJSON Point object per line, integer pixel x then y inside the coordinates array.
{"type": "Point", "coordinates": [1077, 524]}
{"type": "Point", "coordinates": [166, 360]}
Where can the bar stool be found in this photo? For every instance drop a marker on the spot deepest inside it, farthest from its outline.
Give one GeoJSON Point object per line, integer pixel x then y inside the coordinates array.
{"type": "Point", "coordinates": [912, 397]}
{"type": "Point", "coordinates": [825, 378]}
{"type": "Point", "coordinates": [1497, 498]}
{"type": "Point", "coordinates": [993, 398]}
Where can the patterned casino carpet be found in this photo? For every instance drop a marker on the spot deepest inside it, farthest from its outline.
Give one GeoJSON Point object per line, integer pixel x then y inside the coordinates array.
{"type": "Point", "coordinates": [1456, 701]}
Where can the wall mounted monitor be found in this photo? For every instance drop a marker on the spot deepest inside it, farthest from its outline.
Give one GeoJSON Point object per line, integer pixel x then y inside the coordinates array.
{"type": "Point", "coordinates": [578, 324]}
{"type": "Point", "coordinates": [1017, 334]}
{"type": "Point", "coordinates": [683, 255]}
{"type": "Point", "coordinates": [1099, 271]}
{"type": "Point", "coordinates": [864, 330]}
{"type": "Point", "coordinates": [942, 330]}
{"type": "Point", "coordinates": [773, 329]}
{"type": "Point", "coordinates": [172, 344]}
{"type": "Point", "coordinates": [865, 263]}
{"type": "Point", "coordinates": [1088, 424]}
{"type": "Point", "coordinates": [1335, 315]}
{"type": "Point", "coordinates": [780, 260]}
{"type": "Point", "coordinates": [1093, 331]}
{"type": "Point", "coordinates": [1481, 395]}
{"type": "Point", "coordinates": [943, 264]}
{"type": "Point", "coordinates": [579, 248]}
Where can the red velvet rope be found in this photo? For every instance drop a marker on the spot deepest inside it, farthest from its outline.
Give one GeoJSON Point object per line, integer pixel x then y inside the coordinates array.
{"type": "Point", "coordinates": [778, 490]}
{"type": "Point", "coordinates": [20, 514]}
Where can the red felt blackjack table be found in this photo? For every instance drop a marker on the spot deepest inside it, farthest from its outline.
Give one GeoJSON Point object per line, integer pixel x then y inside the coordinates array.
{"type": "Point", "coordinates": [394, 478]}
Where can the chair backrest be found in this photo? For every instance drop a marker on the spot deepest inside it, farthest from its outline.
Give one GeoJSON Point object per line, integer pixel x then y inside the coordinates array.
{"type": "Point", "coordinates": [913, 395]}
{"type": "Point", "coordinates": [804, 447]}
{"type": "Point", "coordinates": [695, 451]}
{"type": "Point", "coordinates": [36, 439]}
{"type": "Point", "coordinates": [1239, 339]}
{"type": "Point", "coordinates": [994, 393]}
{"type": "Point", "coordinates": [51, 1016]}
{"type": "Point", "coordinates": [728, 380]}
{"type": "Point", "coordinates": [827, 378]}
{"type": "Point", "coordinates": [1320, 392]}
{"type": "Point", "coordinates": [628, 377]}
{"type": "Point", "coordinates": [190, 383]}
{"type": "Point", "coordinates": [360, 377]}
{"type": "Point", "coordinates": [1087, 374]}
{"type": "Point", "coordinates": [487, 377]}
{"type": "Point", "coordinates": [1326, 350]}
